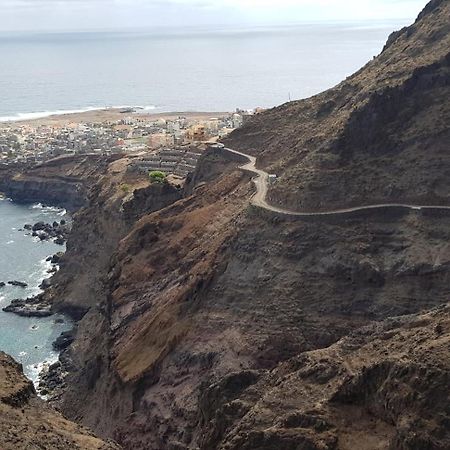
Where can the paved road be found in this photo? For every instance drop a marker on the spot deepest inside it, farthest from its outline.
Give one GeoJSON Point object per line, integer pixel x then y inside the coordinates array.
{"type": "Point", "coordinates": [262, 182]}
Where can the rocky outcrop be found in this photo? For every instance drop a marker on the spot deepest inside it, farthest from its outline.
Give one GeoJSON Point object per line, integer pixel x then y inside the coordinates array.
{"type": "Point", "coordinates": [383, 387]}
{"type": "Point", "coordinates": [58, 231]}
{"type": "Point", "coordinates": [30, 307]}
{"type": "Point", "coordinates": [26, 422]}
{"type": "Point", "coordinates": [63, 182]}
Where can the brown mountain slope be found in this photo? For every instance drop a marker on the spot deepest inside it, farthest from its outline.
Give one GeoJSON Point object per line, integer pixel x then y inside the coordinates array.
{"type": "Point", "coordinates": [27, 423]}
{"type": "Point", "coordinates": [207, 286]}
{"type": "Point", "coordinates": [380, 136]}
{"type": "Point", "coordinates": [383, 387]}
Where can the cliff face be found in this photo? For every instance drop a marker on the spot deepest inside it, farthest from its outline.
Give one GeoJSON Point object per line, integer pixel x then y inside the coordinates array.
{"type": "Point", "coordinates": [26, 422]}
{"type": "Point", "coordinates": [207, 323]}
{"type": "Point", "coordinates": [382, 387]}
{"type": "Point", "coordinates": [63, 182]}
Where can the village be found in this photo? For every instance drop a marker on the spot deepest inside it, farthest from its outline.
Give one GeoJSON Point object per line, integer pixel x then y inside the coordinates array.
{"type": "Point", "coordinates": [162, 141]}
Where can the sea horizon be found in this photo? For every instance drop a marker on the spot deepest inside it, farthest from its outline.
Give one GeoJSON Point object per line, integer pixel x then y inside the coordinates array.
{"type": "Point", "coordinates": [182, 69]}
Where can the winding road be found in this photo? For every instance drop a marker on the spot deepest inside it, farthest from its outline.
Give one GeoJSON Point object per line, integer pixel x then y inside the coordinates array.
{"type": "Point", "coordinates": [262, 185]}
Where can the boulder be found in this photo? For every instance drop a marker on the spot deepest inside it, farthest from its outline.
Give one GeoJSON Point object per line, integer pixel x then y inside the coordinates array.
{"type": "Point", "coordinates": [64, 340]}
{"type": "Point", "coordinates": [39, 226]}
{"type": "Point", "coordinates": [45, 283]}
{"type": "Point", "coordinates": [18, 283]}
{"type": "Point", "coordinates": [56, 258]}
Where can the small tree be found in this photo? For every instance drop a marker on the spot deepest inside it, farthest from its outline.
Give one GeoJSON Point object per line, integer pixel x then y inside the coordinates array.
{"type": "Point", "coordinates": [157, 177]}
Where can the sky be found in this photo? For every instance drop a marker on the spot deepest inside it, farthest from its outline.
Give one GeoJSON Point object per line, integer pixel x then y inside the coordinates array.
{"type": "Point", "coordinates": [71, 15]}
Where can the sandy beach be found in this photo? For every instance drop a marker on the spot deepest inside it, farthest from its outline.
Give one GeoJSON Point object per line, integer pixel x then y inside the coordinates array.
{"type": "Point", "coordinates": [110, 115]}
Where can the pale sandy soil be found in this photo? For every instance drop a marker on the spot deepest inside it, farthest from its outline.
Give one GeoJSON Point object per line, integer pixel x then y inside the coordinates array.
{"type": "Point", "coordinates": [111, 115]}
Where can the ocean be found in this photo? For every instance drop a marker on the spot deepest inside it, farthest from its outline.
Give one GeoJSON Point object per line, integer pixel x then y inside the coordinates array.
{"type": "Point", "coordinates": [180, 70]}
{"type": "Point", "coordinates": [22, 258]}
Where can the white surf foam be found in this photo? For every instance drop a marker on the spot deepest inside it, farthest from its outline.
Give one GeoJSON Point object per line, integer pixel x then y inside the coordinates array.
{"type": "Point", "coordinates": [19, 117]}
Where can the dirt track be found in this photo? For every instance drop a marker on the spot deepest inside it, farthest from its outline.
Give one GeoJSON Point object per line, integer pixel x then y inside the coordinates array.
{"type": "Point", "coordinates": [262, 186]}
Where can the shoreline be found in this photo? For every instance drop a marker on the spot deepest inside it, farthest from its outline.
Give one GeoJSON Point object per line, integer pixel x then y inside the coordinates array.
{"type": "Point", "coordinates": [99, 115]}
{"type": "Point", "coordinates": [40, 317]}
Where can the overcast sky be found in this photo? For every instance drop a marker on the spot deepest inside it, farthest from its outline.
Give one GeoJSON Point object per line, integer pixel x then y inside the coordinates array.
{"type": "Point", "coordinates": [114, 14]}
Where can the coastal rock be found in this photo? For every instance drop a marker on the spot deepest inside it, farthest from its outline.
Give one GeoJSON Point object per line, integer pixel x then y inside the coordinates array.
{"type": "Point", "coordinates": [64, 340]}
{"type": "Point", "coordinates": [39, 226]}
{"type": "Point", "coordinates": [30, 307]}
{"type": "Point", "coordinates": [18, 283]}
{"type": "Point", "coordinates": [56, 258]}
{"type": "Point", "coordinates": [2, 284]}
{"type": "Point", "coordinates": [45, 283]}
{"type": "Point", "coordinates": [56, 231]}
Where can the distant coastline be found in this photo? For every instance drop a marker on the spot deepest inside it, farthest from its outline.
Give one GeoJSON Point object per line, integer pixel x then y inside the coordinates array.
{"type": "Point", "coordinates": [114, 113]}
{"type": "Point", "coordinates": [25, 117]}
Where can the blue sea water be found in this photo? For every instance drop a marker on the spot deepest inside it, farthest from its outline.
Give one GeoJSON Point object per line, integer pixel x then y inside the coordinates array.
{"type": "Point", "coordinates": [180, 70]}
{"type": "Point", "coordinates": [22, 258]}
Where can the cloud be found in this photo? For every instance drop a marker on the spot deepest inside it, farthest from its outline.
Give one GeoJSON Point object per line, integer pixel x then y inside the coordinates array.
{"type": "Point", "coordinates": [82, 14]}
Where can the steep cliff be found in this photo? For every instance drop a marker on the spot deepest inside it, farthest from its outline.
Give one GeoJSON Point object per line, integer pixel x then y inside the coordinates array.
{"type": "Point", "coordinates": [63, 181]}
{"type": "Point", "coordinates": [197, 307]}
{"type": "Point", "coordinates": [26, 422]}
{"type": "Point", "coordinates": [382, 387]}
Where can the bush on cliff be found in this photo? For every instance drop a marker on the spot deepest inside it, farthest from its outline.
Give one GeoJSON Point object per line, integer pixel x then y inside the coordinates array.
{"type": "Point", "coordinates": [125, 188]}
{"type": "Point", "coordinates": [157, 177]}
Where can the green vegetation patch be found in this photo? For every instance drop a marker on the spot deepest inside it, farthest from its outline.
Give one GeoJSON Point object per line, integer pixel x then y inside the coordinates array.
{"type": "Point", "coordinates": [157, 177]}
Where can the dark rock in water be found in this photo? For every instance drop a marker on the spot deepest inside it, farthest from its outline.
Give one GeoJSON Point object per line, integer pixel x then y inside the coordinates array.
{"type": "Point", "coordinates": [18, 283]}
{"type": "Point", "coordinates": [63, 222]}
{"type": "Point", "coordinates": [45, 283]}
{"type": "Point", "coordinates": [30, 307]}
{"type": "Point", "coordinates": [28, 227]}
{"type": "Point", "coordinates": [49, 258]}
{"type": "Point", "coordinates": [54, 366]}
{"type": "Point", "coordinates": [39, 226]}
{"type": "Point", "coordinates": [2, 284]}
{"type": "Point", "coordinates": [28, 311]}
{"type": "Point", "coordinates": [45, 231]}
{"type": "Point", "coordinates": [59, 320]}
{"type": "Point", "coordinates": [55, 259]}
{"type": "Point", "coordinates": [64, 340]}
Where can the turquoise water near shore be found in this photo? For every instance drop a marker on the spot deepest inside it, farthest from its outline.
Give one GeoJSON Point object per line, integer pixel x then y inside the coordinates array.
{"type": "Point", "coordinates": [22, 258]}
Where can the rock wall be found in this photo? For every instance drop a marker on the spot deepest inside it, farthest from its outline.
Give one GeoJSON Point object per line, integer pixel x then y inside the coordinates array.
{"type": "Point", "coordinates": [27, 422]}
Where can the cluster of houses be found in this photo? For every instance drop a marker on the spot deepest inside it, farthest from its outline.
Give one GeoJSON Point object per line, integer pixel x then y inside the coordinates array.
{"type": "Point", "coordinates": [131, 134]}
{"type": "Point", "coordinates": [25, 143]}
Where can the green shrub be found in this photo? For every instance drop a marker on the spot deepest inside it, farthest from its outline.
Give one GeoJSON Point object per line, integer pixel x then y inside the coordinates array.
{"type": "Point", "coordinates": [125, 188]}
{"type": "Point", "coordinates": [157, 177]}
